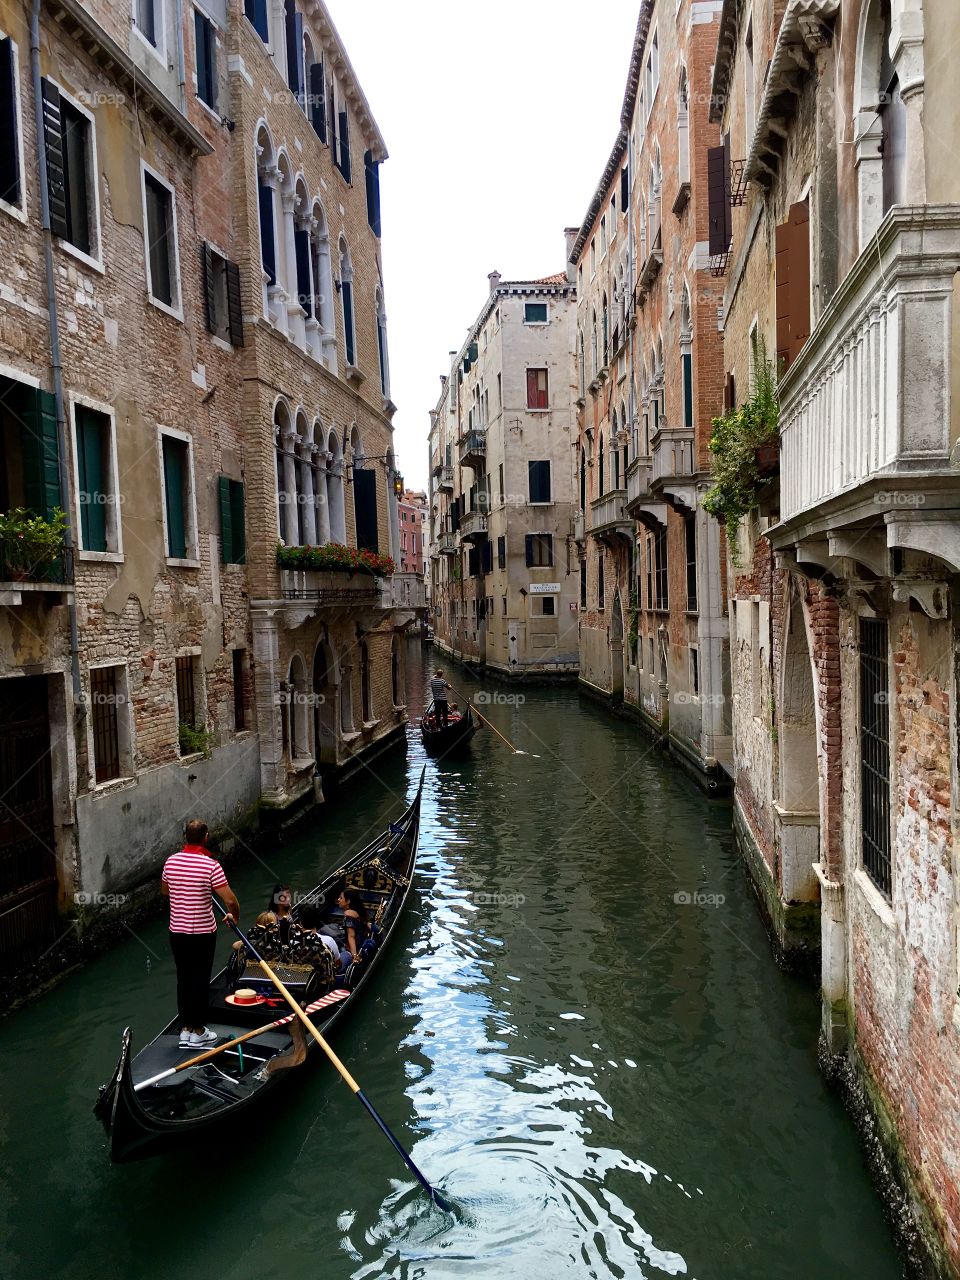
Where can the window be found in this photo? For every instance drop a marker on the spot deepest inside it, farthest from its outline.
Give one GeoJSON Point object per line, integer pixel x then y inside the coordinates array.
{"type": "Point", "coordinates": [793, 283]}
{"type": "Point", "coordinates": [256, 11]}
{"type": "Point", "coordinates": [683, 130]}
{"type": "Point", "coordinates": [539, 550]}
{"type": "Point", "coordinates": [875, 752]}
{"type": "Point", "coordinates": [660, 589]}
{"type": "Point", "coordinates": [179, 519]}
{"type": "Point", "coordinates": [188, 704]}
{"type": "Point", "coordinates": [233, 541]}
{"type": "Point", "coordinates": [148, 20]}
{"type": "Point", "coordinates": [10, 136]}
{"type": "Point", "coordinates": [593, 258]}
{"type": "Point", "coordinates": [504, 605]}
{"type": "Point", "coordinates": [239, 692]}
{"type": "Point", "coordinates": [583, 584]}
{"type": "Point", "coordinates": [501, 552]}
{"type": "Point", "coordinates": [537, 389]}
{"type": "Point", "coordinates": [160, 224]}
{"type": "Point", "coordinates": [624, 189]}
{"type": "Point", "coordinates": [382, 347]}
{"type": "Point", "coordinates": [720, 216]}
{"type": "Point", "coordinates": [71, 171]}
{"type": "Point", "coordinates": [534, 313]}
{"type": "Point", "coordinates": [96, 477]}
{"type": "Point", "coordinates": [317, 101]}
{"type": "Point", "coordinates": [341, 153]}
{"type": "Point", "coordinates": [107, 696]}
{"type": "Point", "coordinates": [371, 169]}
{"type": "Point", "coordinates": [548, 606]}
{"type": "Point", "coordinates": [221, 296]}
{"type": "Point", "coordinates": [749, 87]}
{"type": "Point", "coordinates": [538, 477]}
{"type": "Point", "coordinates": [293, 29]}
{"type": "Point", "coordinates": [690, 534]}
{"type": "Point", "coordinates": [601, 590]}
{"type": "Point", "coordinates": [695, 671]}
{"type": "Point", "coordinates": [206, 38]}
{"type": "Point", "coordinates": [603, 235]}
{"type": "Point", "coordinates": [366, 701]}
{"type": "Point", "coordinates": [500, 482]}
{"type": "Point", "coordinates": [346, 303]}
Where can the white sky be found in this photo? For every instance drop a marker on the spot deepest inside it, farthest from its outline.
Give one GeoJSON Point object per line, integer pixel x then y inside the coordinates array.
{"type": "Point", "coordinates": [498, 116]}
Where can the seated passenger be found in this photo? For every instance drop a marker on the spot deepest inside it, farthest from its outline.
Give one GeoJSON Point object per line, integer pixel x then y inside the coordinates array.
{"type": "Point", "coordinates": [281, 903]}
{"type": "Point", "coordinates": [264, 937]}
{"type": "Point", "coordinates": [310, 939]}
{"type": "Point", "coordinates": [356, 925]}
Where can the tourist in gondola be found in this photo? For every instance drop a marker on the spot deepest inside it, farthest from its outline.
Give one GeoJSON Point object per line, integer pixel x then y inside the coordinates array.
{"type": "Point", "coordinates": [311, 938]}
{"type": "Point", "coordinates": [281, 904]}
{"type": "Point", "coordinates": [188, 879]}
{"type": "Point", "coordinates": [356, 925]}
{"type": "Point", "coordinates": [438, 691]}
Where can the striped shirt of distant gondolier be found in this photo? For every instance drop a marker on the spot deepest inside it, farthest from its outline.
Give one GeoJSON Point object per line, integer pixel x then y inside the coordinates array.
{"type": "Point", "coordinates": [191, 875]}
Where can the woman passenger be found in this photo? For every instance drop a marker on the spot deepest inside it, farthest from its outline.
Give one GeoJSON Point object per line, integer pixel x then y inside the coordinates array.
{"type": "Point", "coordinates": [356, 924]}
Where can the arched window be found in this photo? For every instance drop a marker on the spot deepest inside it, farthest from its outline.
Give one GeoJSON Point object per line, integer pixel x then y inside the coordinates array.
{"type": "Point", "coordinates": [656, 183]}
{"type": "Point", "coordinates": [318, 467]}
{"type": "Point", "coordinates": [686, 355]}
{"type": "Point", "coordinates": [601, 483]}
{"type": "Point", "coordinates": [364, 495]}
{"type": "Point", "coordinates": [335, 503]}
{"type": "Point", "coordinates": [614, 452]}
{"type": "Point", "coordinates": [583, 479]}
{"type": "Point", "coordinates": [882, 121]}
{"type": "Point", "coordinates": [299, 739]}
{"type": "Point", "coordinates": [306, 518]}
{"type": "Point", "coordinates": [346, 303]}
{"type": "Point", "coordinates": [393, 507]}
{"type": "Point", "coordinates": [606, 332]}
{"type": "Point", "coordinates": [683, 131]}
{"type": "Point", "coordinates": [582, 362]}
{"type": "Point", "coordinates": [324, 705]}
{"type": "Point", "coordinates": [366, 697]}
{"type": "Point", "coordinates": [287, 315]}
{"type": "Point", "coordinates": [284, 443]}
{"type": "Point", "coordinates": [346, 698]}
{"type": "Point", "coordinates": [382, 346]}
{"type": "Point", "coordinates": [268, 178]}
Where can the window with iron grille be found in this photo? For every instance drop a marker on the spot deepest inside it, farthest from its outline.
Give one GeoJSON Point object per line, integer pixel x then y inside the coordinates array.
{"type": "Point", "coordinates": [660, 591]}
{"type": "Point", "coordinates": [583, 584]}
{"type": "Point", "coordinates": [601, 592]}
{"type": "Point", "coordinates": [239, 706]}
{"type": "Point", "coordinates": [875, 752]}
{"type": "Point", "coordinates": [690, 534]}
{"type": "Point", "coordinates": [187, 692]}
{"type": "Point", "coordinates": [105, 697]}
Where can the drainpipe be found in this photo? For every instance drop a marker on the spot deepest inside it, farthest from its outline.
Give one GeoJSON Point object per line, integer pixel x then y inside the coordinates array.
{"type": "Point", "coordinates": [56, 361]}
{"type": "Point", "coordinates": [181, 60]}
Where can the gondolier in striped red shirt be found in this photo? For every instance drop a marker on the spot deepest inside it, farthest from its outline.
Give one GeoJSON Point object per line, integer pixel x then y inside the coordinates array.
{"type": "Point", "coordinates": [189, 877]}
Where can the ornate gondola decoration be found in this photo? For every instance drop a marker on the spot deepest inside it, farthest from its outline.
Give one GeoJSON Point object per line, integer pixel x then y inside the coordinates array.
{"type": "Point", "coordinates": [177, 1107]}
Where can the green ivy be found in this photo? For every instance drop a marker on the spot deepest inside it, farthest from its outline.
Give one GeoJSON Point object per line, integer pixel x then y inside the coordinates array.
{"type": "Point", "coordinates": [736, 437]}
{"type": "Point", "coordinates": [195, 741]}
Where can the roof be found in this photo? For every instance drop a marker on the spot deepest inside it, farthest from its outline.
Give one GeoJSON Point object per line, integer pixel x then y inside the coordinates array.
{"type": "Point", "coordinates": [723, 62]}
{"type": "Point", "coordinates": [318, 12]}
{"type": "Point", "coordinates": [559, 278]}
{"type": "Point", "coordinates": [626, 116]}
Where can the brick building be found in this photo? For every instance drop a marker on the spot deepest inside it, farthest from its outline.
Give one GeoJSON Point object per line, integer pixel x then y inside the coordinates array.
{"type": "Point", "coordinates": [836, 224]}
{"type": "Point", "coordinates": [653, 627]}
{"type": "Point", "coordinates": [413, 518]}
{"type": "Point", "coordinates": [503, 573]}
{"type": "Point", "coordinates": [195, 389]}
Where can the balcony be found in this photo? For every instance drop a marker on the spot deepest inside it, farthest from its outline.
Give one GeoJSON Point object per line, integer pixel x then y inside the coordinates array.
{"type": "Point", "coordinates": [673, 455]}
{"type": "Point", "coordinates": [313, 593]}
{"type": "Point", "coordinates": [444, 478]}
{"type": "Point", "coordinates": [608, 516]}
{"type": "Point", "coordinates": [19, 586]}
{"type": "Point", "coordinates": [866, 419]}
{"type": "Point", "coordinates": [578, 526]}
{"type": "Point", "coordinates": [447, 544]}
{"type": "Point", "coordinates": [473, 449]}
{"type": "Point", "coordinates": [473, 526]}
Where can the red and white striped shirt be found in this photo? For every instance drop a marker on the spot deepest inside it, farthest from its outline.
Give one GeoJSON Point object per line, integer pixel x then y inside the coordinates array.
{"type": "Point", "coordinates": [191, 875]}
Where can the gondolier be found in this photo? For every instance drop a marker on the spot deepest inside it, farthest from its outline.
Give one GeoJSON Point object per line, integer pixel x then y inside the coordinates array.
{"type": "Point", "coordinates": [188, 879]}
{"type": "Point", "coordinates": [438, 689]}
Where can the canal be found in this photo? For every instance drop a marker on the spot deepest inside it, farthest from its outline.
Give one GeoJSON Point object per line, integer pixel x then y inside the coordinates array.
{"type": "Point", "coordinates": [580, 1031]}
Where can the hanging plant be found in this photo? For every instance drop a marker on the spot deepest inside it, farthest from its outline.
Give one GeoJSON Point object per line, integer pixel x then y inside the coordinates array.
{"type": "Point", "coordinates": [745, 448]}
{"type": "Point", "coordinates": [334, 557]}
{"type": "Point", "coordinates": [30, 544]}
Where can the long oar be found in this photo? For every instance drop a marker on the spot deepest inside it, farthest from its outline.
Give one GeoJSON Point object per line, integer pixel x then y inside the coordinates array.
{"type": "Point", "coordinates": [230, 1044]}
{"type": "Point", "coordinates": [516, 750]}
{"type": "Point", "coordinates": [435, 1195]}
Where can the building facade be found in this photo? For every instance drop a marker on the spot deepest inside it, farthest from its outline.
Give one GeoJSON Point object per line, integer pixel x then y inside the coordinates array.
{"type": "Point", "coordinates": [413, 524]}
{"type": "Point", "coordinates": [503, 571]}
{"type": "Point", "coordinates": [653, 625]}
{"type": "Point", "coordinates": [193, 366]}
{"type": "Point", "coordinates": [839, 263]}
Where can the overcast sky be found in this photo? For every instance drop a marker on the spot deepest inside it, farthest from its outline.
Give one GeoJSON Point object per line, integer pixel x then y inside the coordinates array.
{"type": "Point", "coordinates": [498, 116]}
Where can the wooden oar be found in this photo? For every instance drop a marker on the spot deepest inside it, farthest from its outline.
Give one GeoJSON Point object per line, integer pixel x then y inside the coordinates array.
{"type": "Point", "coordinates": [222, 1048]}
{"type": "Point", "coordinates": [435, 1195]}
{"type": "Point", "coordinates": [516, 750]}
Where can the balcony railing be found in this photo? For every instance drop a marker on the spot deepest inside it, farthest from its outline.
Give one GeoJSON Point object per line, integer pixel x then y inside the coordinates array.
{"type": "Point", "coordinates": [447, 543]}
{"type": "Point", "coordinates": [444, 478]}
{"type": "Point", "coordinates": [17, 581]}
{"type": "Point", "coordinates": [578, 526]}
{"type": "Point", "coordinates": [406, 591]}
{"type": "Point", "coordinates": [673, 454]}
{"type": "Point", "coordinates": [332, 589]}
{"type": "Point", "coordinates": [473, 525]}
{"type": "Point", "coordinates": [608, 513]}
{"type": "Point", "coordinates": [869, 396]}
{"type": "Point", "coordinates": [639, 474]}
{"type": "Point", "coordinates": [473, 448]}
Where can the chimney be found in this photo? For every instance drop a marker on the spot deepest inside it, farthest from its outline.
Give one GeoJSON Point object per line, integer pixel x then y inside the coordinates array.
{"type": "Point", "coordinates": [494, 278]}
{"type": "Point", "coordinates": [570, 236]}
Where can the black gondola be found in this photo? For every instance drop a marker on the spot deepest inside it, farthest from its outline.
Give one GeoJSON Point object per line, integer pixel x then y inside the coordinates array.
{"type": "Point", "coordinates": [442, 740]}
{"type": "Point", "coordinates": [186, 1106]}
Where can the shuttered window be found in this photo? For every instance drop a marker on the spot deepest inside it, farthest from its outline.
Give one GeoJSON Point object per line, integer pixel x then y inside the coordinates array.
{"type": "Point", "coordinates": [537, 391]}
{"type": "Point", "coordinates": [343, 145]}
{"type": "Point", "coordinates": [161, 241]}
{"type": "Point", "coordinates": [687, 362]}
{"type": "Point", "coordinates": [256, 11]}
{"type": "Point", "coordinates": [538, 478]}
{"type": "Point", "coordinates": [371, 170]}
{"type": "Point", "coordinates": [318, 101]}
{"type": "Point", "coordinates": [487, 551]}
{"type": "Point", "coordinates": [539, 550]}
{"type": "Point", "coordinates": [346, 302]}
{"type": "Point", "coordinates": [106, 696]}
{"type": "Point", "coordinates": [68, 144]}
{"type": "Point", "coordinates": [268, 249]}
{"type": "Point", "coordinates": [729, 392]}
{"type": "Point", "coordinates": [39, 449]}
{"type": "Point", "coordinates": [93, 470]}
{"type": "Point", "coordinates": [718, 199]}
{"type": "Point", "coordinates": [9, 133]}
{"type": "Point", "coordinates": [365, 508]}
{"type": "Point", "coordinates": [221, 296]}
{"type": "Point", "coordinates": [534, 313]}
{"type": "Point", "coordinates": [233, 543]}
{"type": "Point", "coordinates": [206, 40]}
{"type": "Point", "coordinates": [501, 552]}
{"type": "Point", "coordinates": [176, 495]}
{"type": "Point", "coordinates": [793, 283]}
{"type": "Point", "coordinates": [293, 25]}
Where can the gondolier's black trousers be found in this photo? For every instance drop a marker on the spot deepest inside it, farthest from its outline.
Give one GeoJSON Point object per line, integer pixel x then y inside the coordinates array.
{"type": "Point", "coordinates": [442, 708]}
{"type": "Point", "coordinates": [193, 953]}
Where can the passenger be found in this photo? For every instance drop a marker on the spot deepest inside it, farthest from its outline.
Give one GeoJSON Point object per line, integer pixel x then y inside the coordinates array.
{"type": "Point", "coordinates": [281, 903]}
{"type": "Point", "coordinates": [311, 936]}
{"type": "Point", "coordinates": [438, 689]}
{"type": "Point", "coordinates": [356, 924]}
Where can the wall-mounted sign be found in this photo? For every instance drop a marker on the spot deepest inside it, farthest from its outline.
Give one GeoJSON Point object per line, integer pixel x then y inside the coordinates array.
{"type": "Point", "coordinates": [544, 588]}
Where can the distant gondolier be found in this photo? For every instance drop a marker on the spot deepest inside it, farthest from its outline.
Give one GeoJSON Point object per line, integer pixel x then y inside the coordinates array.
{"type": "Point", "coordinates": [438, 689]}
{"type": "Point", "coordinates": [189, 877]}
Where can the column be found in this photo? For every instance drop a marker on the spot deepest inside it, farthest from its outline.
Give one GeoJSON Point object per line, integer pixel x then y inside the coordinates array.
{"type": "Point", "coordinates": [321, 500]}
{"type": "Point", "coordinates": [312, 323]}
{"type": "Point", "coordinates": [291, 521]}
{"type": "Point", "coordinates": [294, 314]}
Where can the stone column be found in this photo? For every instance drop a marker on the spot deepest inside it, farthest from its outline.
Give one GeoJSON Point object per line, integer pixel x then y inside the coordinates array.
{"type": "Point", "coordinates": [291, 522]}
{"type": "Point", "coordinates": [312, 322]}
{"type": "Point", "coordinates": [267, 707]}
{"type": "Point", "coordinates": [295, 322]}
{"type": "Point", "coordinates": [308, 497]}
{"type": "Point", "coordinates": [321, 498]}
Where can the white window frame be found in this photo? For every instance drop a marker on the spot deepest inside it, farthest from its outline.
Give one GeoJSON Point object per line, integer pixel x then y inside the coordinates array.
{"type": "Point", "coordinates": [551, 501]}
{"type": "Point", "coordinates": [93, 173]}
{"type": "Point", "coordinates": [114, 527]}
{"type": "Point", "coordinates": [536, 323]}
{"type": "Point", "coordinates": [18, 211]}
{"type": "Point", "coordinates": [125, 731]}
{"type": "Point", "coordinates": [168, 309]}
{"type": "Point", "coordinates": [159, 50]}
{"type": "Point", "coordinates": [199, 689]}
{"type": "Point", "coordinates": [217, 46]}
{"type": "Point", "coordinates": [190, 508]}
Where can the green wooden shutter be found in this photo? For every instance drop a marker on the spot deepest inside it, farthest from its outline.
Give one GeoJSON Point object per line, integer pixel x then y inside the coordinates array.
{"type": "Point", "coordinates": [90, 477]}
{"type": "Point", "coordinates": [687, 360]}
{"type": "Point", "coordinates": [41, 455]}
{"type": "Point", "coordinates": [237, 518]}
{"type": "Point", "coordinates": [234, 306]}
{"type": "Point", "coordinates": [226, 519]}
{"type": "Point", "coordinates": [174, 485]}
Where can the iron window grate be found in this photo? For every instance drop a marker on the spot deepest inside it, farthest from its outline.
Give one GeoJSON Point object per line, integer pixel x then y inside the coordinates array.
{"type": "Point", "coordinates": [875, 752]}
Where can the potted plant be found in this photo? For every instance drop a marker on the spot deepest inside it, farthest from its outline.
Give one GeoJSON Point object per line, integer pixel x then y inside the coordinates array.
{"type": "Point", "coordinates": [334, 557]}
{"type": "Point", "coordinates": [29, 543]}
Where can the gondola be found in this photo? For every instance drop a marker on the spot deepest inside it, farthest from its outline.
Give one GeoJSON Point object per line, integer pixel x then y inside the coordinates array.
{"type": "Point", "coordinates": [442, 741]}
{"type": "Point", "coordinates": [209, 1097]}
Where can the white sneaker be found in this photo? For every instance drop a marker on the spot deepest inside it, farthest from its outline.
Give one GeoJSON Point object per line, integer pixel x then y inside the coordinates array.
{"type": "Point", "coordinates": [203, 1039]}
{"type": "Point", "coordinates": [185, 1039]}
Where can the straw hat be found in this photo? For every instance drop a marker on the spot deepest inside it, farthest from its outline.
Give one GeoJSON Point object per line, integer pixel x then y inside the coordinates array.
{"type": "Point", "coordinates": [244, 996]}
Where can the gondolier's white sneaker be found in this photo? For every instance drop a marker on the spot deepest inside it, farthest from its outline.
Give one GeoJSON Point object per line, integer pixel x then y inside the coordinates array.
{"type": "Point", "coordinates": [203, 1039]}
{"type": "Point", "coordinates": [185, 1038]}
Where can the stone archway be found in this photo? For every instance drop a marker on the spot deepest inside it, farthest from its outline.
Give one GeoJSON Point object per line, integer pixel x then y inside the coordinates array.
{"type": "Point", "coordinates": [798, 807]}
{"type": "Point", "coordinates": [324, 688]}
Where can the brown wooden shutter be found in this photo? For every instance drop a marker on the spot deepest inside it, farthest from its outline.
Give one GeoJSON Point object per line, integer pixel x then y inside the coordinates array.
{"type": "Point", "coordinates": [53, 145]}
{"type": "Point", "coordinates": [793, 283]}
{"type": "Point", "coordinates": [717, 202]}
{"type": "Point", "coordinates": [234, 307]}
{"type": "Point", "coordinates": [209, 302]}
{"type": "Point", "coordinates": [729, 392]}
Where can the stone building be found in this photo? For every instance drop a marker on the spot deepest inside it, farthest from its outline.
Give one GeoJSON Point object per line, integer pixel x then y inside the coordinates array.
{"type": "Point", "coordinates": [840, 256]}
{"type": "Point", "coordinates": [502, 499]}
{"type": "Point", "coordinates": [653, 626]}
{"type": "Point", "coordinates": [184, 364]}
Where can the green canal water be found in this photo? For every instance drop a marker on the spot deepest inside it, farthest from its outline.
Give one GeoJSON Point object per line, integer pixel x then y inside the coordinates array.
{"type": "Point", "coordinates": [606, 1071]}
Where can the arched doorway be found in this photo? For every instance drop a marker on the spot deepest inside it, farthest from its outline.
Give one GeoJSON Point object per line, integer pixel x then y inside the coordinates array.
{"type": "Point", "coordinates": [616, 649]}
{"type": "Point", "coordinates": [324, 705]}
